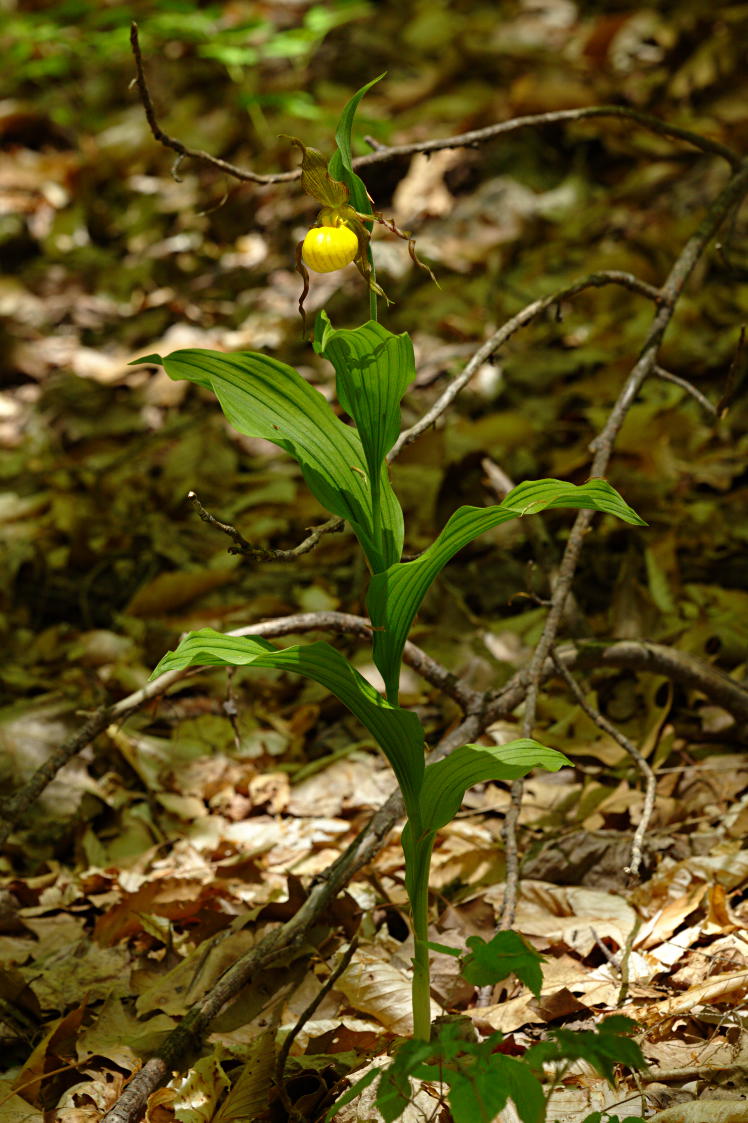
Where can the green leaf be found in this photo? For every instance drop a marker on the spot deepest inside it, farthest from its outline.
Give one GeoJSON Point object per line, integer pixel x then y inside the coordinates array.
{"type": "Point", "coordinates": [444, 785]}
{"type": "Point", "coordinates": [394, 1093]}
{"type": "Point", "coordinates": [396, 595]}
{"type": "Point", "coordinates": [602, 1048]}
{"type": "Point", "coordinates": [263, 397]}
{"type": "Point", "coordinates": [152, 360]}
{"type": "Point", "coordinates": [524, 1087]}
{"type": "Point", "coordinates": [398, 732]}
{"type": "Point", "coordinates": [340, 166]}
{"type": "Point", "coordinates": [446, 781]}
{"type": "Point", "coordinates": [394, 1089]}
{"type": "Point", "coordinates": [479, 1091]}
{"type": "Point", "coordinates": [374, 368]}
{"type": "Point", "coordinates": [506, 953]}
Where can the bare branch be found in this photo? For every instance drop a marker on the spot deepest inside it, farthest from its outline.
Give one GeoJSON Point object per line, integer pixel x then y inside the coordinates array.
{"type": "Point", "coordinates": [304, 1016]}
{"type": "Point", "coordinates": [629, 747]}
{"type": "Point", "coordinates": [679, 666]}
{"type": "Point", "coordinates": [264, 553]}
{"type": "Point", "coordinates": [559, 116]}
{"type": "Point", "coordinates": [735, 190]}
{"type": "Point", "coordinates": [506, 331]}
{"type": "Point", "coordinates": [384, 153]}
{"type": "Point", "coordinates": [182, 150]}
{"type": "Point", "coordinates": [736, 376]}
{"type": "Point", "coordinates": [689, 387]}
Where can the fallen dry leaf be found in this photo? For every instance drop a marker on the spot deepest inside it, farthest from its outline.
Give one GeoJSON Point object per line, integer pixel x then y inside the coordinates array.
{"type": "Point", "coordinates": [374, 986]}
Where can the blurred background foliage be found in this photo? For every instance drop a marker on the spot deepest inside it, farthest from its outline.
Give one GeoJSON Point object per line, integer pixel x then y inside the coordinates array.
{"type": "Point", "coordinates": [105, 256]}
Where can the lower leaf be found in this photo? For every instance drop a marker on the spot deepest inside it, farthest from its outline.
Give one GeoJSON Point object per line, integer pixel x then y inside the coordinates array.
{"type": "Point", "coordinates": [398, 732]}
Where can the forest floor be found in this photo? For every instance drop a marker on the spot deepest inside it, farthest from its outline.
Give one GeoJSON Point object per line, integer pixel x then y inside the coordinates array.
{"type": "Point", "coordinates": [175, 841]}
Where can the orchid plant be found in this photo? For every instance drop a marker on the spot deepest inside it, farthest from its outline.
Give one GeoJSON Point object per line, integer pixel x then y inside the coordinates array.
{"type": "Point", "coordinates": [345, 467]}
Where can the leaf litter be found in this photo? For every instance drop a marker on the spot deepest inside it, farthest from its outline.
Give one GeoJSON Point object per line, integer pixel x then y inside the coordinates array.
{"type": "Point", "coordinates": [174, 843]}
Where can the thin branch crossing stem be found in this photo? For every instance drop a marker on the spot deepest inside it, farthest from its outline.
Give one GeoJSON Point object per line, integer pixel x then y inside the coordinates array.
{"type": "Point", "coordinates": [384, 153]}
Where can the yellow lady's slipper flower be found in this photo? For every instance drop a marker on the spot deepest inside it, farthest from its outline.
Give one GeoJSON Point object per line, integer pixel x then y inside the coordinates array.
{"type": "Point", "coordinates": [342, 234]}
{"type": "Point", "coordinates": [327, 248]}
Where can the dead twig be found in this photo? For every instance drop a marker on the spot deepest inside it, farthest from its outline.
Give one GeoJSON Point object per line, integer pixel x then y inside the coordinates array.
{"type": "Point", "coordinates": [628, 746]}
{"type": "Point", "coordinates": [304, 1016]}
{"type": "Point", "coordinates": [506, 331]}
{"type": "Point", "coordinates": [736, 376]}
{"type": "Point", "coordinates": [555, 117]}
{"type": "Point", "coordinates": [689, 387]}
{"type": "Point", "coordinates": [263, 553]}
{"type": "Point", "coordinates": [383, 153]}
{"type": "Point", "coordinates": [182, 150]}
{"type": "Point", "coordinates": [602, 447]}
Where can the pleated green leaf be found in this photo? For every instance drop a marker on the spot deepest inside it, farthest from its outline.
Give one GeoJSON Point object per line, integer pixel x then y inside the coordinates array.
{"type": "Point", "coordinates": [374, 369]}
{"type": "Point", "coordinates": [446, 781]}
{"type": "Point", "coordinates": [263, 397]}
{"type": "Point", "coordinates": [396, 595]}
{"type": "Point", "coordinates": [398, 732]}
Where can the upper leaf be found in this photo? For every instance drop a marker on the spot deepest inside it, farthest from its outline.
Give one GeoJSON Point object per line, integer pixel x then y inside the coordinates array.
{"type": "Point", "coordinates": [263, 397]}
{"type": "Point", "coordinates": [395, 595]}
{"type": "Point", "coordinates": [398, 732]}
{"type": "Point", "coordinates": [446, 781]}
{"type": "Point", "coordinates": [374, 369]}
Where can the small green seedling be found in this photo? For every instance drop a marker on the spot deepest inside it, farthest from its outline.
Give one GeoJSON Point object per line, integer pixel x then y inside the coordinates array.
{"type": "Point", "coordinates": [346, 470]}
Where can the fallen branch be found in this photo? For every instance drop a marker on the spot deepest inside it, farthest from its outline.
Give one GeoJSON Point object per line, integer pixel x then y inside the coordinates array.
{"type": "Point", "coordinates": [705, 1111]}
{"type": "Point", "coordinates": [384, 153]}
{"type": "Point", "coordinates": [602, 447]}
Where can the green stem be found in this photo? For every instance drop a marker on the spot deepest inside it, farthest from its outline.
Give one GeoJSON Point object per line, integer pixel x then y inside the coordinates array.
{"type": "Point", "coordinates": [372, 294]}
{"type": "Point", "coordinates": [418, 891]}
{"type": "Point", "coordinates": [376, 513]}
